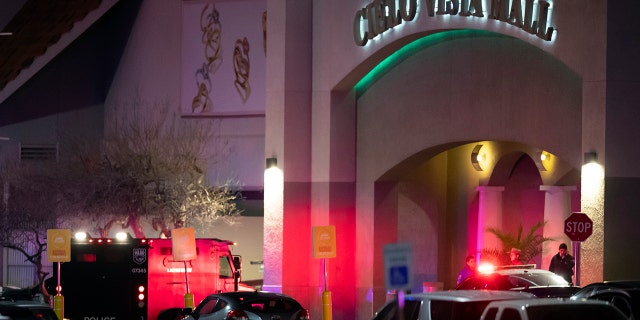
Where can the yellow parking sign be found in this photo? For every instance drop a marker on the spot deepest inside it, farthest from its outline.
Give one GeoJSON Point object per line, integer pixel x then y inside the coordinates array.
{"type": "Point", "coordinates": [183, 241]}
{"type": "Point", "coordinates": [324, 242]}
{"type": "Point", "coordinates": [59, 245]}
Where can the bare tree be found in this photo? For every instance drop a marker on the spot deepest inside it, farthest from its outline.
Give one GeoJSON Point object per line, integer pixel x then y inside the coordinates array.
{"type": "Point", "coordinates": [28, 210]}
{"type": "Point", "coordinates": [150, 165]}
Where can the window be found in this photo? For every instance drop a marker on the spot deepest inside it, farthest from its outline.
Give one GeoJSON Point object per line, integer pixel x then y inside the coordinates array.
{"type": "Point", "coordinates": [207, 307]}
{"type": "Point", "coordinates": [511, 314]}
{"type": "Point", "coordinates": [491, 314]}
{"type": "Point", "coordinates": [225, 267]}
{"type": "Point", "coordinates": [40, 152]}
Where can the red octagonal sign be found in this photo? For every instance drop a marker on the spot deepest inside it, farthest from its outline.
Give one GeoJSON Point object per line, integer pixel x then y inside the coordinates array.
{"type": "Point", "coordinates": [578, 227]}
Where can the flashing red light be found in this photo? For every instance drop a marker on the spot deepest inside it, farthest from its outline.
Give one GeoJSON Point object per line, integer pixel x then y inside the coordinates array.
{"type": "Point", "coordinates": [237, 315]}
{"type": "Point", "coordinates": [90, 240]}
{"type": "Point", "coordinates": [143, 240]}
{"type": "Point", "coordinates": [486, 267]}
{"type": "Point", "coordinates": [109, 240]}
{"type": "Point", "coordinates": [304, 315]}
{"type": "Point", "coordinates": [141, 290]}
{"type": "Point", "coordinates": [99, 240]}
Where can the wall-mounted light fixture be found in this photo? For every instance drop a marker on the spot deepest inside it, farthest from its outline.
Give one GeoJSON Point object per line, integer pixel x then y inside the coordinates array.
{"type": "Point", "coordinates": [476, 157]}
{"type": "Point", "coordinates": [590, 157]}
{"type": "Point", "coordinates": [542, 160]}
{"type": "Point", "coordinates": [272, 162]}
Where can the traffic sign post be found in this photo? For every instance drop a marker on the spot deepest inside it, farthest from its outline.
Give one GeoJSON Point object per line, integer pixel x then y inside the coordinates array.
{"type": "Point", "coordinates": [324, 246]}
{"type": "Point", "coordinates": [398, 258]}
{"type": "Point", "coordinates": [578, 227]}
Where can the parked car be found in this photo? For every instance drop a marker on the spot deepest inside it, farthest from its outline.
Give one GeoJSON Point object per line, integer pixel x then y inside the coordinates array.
{"type": "Point", "coordinates": [551, 309]}
{"type": "Point", "coordinates": [15, 293]}
{"type": "Point", "coordinates": [445, 305]}
{"type": "Point", "coordinates": [26, 310]}
{"type": "Point", "coordinates": [625, 295]}
{"type": "Point", "coordinates": [542, 283]}
{"type": "Point", "coordinates": [248, 306]}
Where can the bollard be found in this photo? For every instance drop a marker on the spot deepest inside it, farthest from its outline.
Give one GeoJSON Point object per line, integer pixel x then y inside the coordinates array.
{"type": "Point", "coordinates": [188, 300]}
{"type": "Point", "coordinates": [326, 305]}
{"type": "Point", "coordinates": [58, 306]}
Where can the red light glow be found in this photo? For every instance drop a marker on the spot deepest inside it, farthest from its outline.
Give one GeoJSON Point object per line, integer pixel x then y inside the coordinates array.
{"type": "Point", "coordinates": [141, 289]}
{"type": "Point", "coordinates": [486, 268]}
{"type": "Point", "coordinates": [304, 315]}
{"type": "Point", "coordinates": [237, 315]}
{"type": "Point", "coordinates": [141, 296]}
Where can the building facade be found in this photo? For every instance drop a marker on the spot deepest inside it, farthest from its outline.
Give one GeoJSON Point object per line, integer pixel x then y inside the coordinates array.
{"type": "Point", "coordinates": [421, 122]}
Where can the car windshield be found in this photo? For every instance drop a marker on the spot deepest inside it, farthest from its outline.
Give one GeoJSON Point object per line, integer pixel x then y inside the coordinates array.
{"type": "Point", "coordinates": [573, 312]}
{"type": "Point", "coordinates": [536, 279]}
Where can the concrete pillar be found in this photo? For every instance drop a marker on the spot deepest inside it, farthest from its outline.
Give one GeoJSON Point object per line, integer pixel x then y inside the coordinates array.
{"type": "Point", "coordinates": [489, 215]}
{"type": "Point", "coordinates": [557, 208]}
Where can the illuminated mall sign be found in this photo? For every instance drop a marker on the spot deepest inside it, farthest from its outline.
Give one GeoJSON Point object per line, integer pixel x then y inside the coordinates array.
{"type": "Point", "coordinates": [382, 15]}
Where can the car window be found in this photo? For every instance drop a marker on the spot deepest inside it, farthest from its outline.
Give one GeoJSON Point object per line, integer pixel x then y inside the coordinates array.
{"type": "Point", "coordinates": [457, 310]}
{"type": "Point", "coordinates": [619, 300]}
{"type": "Point", "coordinates": [207, 306]}
{"type": "Point", "coordinates": [491, 314]}
{"type": "Point", "coordinates": [410, 311]}
{"type": "Point", "coordinates": [225, 267]}
{"type": "Point", "coordinates": [573, 312]}
{"type": "Point", "coordinates": [270, 305]}
{"type": "Point", "coordinates": [510, 314]}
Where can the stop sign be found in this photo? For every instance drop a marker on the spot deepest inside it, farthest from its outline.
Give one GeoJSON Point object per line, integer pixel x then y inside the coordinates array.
{"type": "Point", "coordinates": [578, 227]}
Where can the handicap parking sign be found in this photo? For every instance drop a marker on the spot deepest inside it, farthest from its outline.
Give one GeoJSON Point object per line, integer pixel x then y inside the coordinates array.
{"type": "Point", "coordinates": [398, 258]}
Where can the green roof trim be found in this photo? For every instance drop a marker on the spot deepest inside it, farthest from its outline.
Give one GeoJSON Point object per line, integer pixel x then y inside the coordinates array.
{"type": "Point", "coordinates": [411, 48]}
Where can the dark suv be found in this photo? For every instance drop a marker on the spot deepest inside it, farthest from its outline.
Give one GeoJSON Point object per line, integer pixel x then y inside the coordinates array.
{"type": "Point", "coordinates": [26, 310]}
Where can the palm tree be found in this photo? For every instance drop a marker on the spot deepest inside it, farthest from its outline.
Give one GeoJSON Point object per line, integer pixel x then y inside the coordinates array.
{"type": "Point", "coordinates": [530, 245]}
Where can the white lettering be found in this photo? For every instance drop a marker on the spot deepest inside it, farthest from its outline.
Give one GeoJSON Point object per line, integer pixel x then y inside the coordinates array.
{"type": "Point", "coordinates": [579, 227]}
{"type": "Point", "coordinates": [378, 16]}
{"type": "Point", "coordinates": [100, 318]}
{"type": "Point", "coordinates": [139, 270]}
{"type": "Point", "coordinates": [381, 15]}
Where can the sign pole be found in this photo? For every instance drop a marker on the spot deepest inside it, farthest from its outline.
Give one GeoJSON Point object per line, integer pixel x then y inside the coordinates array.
{"type": "Point", "coordinates": [576, 257]}
{"type": "Point", "coordinates": [326, 296]}
{"type": "Point", "coordinates": [58, 299]}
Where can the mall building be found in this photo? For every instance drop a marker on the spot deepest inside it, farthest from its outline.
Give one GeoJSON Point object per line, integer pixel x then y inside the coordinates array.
{"type": "Point", "coordinates": [419, 122]}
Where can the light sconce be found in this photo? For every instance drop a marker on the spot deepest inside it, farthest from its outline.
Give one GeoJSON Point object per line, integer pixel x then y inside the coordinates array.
{"type": "Point", "coordinates": [476, 157]}
{"type": "Point", "coordinates": [542, 159]}
{"type": "Point", "coordinates": [272, 162]}
{"type": "Point", "coordinates": [590, 157]}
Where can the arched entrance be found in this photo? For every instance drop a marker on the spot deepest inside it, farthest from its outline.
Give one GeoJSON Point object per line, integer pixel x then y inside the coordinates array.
{"type": "Point", "coordinates": [433, 204]}
{"type": "Point", "coordinates": [437, 103]}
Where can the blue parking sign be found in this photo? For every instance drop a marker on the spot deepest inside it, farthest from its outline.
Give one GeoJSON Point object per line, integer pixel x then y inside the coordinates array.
{"type": "Point", "coordinates": [398, 276]}
{"type": "Point", "coordinates": [398, 258]}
